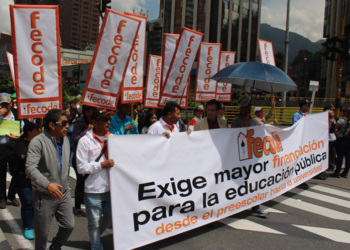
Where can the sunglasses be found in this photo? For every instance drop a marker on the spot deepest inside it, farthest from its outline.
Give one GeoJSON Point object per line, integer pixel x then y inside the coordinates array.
{"type": "Point", "coordinates": [63, 123]}
{"type": "Point", "coordinates": [104, 119]}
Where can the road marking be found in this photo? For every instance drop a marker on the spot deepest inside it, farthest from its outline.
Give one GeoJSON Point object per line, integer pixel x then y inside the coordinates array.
{"type": "Point", "coordinates": [326, 212]}
{"type": "Point", "coordinates": [332, 234]}
{"type": "Point", "coordinates": [331, 191]}
{"type": "Point", "coordinates": [321, 197]}
{"type": "Point", "coordinates": [16, 229]}
{"type": "Point", "coordinates": [272, 210]}
{"type": "Point", "coordinates": [244, 224]}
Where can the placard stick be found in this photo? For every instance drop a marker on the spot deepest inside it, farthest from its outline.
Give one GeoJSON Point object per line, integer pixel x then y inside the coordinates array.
{"type": "Point", "coordinates": [274, 112]}
{"type": "Point", "coordinates": [41, 125]}
{"type": "Point", "coordinates": [131, 116]}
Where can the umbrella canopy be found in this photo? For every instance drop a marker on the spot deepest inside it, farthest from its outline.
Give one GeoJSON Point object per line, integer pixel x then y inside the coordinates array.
{"type": "Point", "coordinates": [256, 75]}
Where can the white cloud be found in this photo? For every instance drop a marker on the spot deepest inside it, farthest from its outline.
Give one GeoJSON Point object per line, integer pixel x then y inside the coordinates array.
{"type": "Point", "coordinates": [126, 5]}
{"type": "Point", "coordinates": [5, 22]}
{"type": "Point", "coordinates": [306, 17]}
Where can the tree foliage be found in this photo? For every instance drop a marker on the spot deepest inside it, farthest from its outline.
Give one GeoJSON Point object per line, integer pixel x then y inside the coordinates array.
{"type": "Point", "coordinates": [279, 59]}
{"type": "Point", "coordinates": [6, 84]}
{"type": "Point", "coordinates": [308, 55]}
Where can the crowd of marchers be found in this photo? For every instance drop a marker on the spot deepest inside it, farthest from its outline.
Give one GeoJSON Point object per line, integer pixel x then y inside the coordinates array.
{"type": "Point", "coordinates": [40, 161]}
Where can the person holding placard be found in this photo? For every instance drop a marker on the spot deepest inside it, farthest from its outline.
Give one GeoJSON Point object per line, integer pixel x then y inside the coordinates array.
{"type": "Point", "coordinates": [260, 119]}
{"type": "Point", "coordinates": [7, 143]}
{"type": "Point", "coordinates": [121, 122]}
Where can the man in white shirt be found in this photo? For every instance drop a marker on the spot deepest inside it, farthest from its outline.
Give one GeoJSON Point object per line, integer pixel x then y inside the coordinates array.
{"type": "Point", "coordinates": [92, 161]}
{"type": "Point", "coordinates": [169, 123]}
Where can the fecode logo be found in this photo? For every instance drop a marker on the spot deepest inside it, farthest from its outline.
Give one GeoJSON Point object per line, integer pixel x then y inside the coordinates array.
{"type": "Point", "coordinates": [37, 59]}
{"type": "Point", "coordinates": [152, 103]}
{"type": "Point", "coordinates": [223, 97]}
{"type": "Point", "coordinates": [249, 146]}
{"type": "Point", "coordinates": [132, 96]}
{"type": "Point", "coordinates": [157, 79]}
{"type": "Point", "coordinates": [183, 67]}
{"type": "Point", "coordinates": [112, 59]}
{"type": "Point", "coordinates": [134, 58]}
{"type": "Point", "coordinates": [205, 97]}
{"type": "Point", "coordinates": [266, 53]}
{"type": "Point", "coordinates": [208, 69]}
{"type": "Point", "coordinates": [32, 109]}
{"type": "Point", "coordinates": [100, 99]}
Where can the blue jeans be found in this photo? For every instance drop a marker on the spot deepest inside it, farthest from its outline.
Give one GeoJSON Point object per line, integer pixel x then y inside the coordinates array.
{"type": "Point", "coordinates": [27, 210]}
{"type": "Point", "coordinates": [96, 205]}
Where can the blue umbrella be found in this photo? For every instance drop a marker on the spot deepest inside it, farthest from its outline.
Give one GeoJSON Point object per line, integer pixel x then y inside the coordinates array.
{"type": "Point", "coordinates": [256, 75]}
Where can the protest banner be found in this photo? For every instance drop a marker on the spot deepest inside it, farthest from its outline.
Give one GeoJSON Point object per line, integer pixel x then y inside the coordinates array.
{"type": "Point", "coordinates": [208, 65]}
{"type": "Point", "coordinates": [180, 67]}
{"type": "Point", "coordinates": [109, 63]}
{"type": "Point", "coordinates": [266, 52]}
{"type": "Point", "coordinates": [8, 127]}
{"type": "Point", "coordinates": [153, 81]}
{"type": "Point", "coordinates": [12, 67]}
{"type": "Point", "coordinates": [132, 85]}
{"type": "Point", "coordinates": [170, 41]}
{"type": "Point", "coordinates": [224, 90]}
{"type": "Point", "coordinates": [158, 195]}
{"type": "Point", "coordinates": [37, 59]}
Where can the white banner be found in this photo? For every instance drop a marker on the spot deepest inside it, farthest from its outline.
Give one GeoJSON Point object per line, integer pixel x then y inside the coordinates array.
{"type": "Point", "coordinates": [37, 58]}
{"type": "Point", "coordinates": [113, 50]}
{"type": "Point", "coordinates": [169, 47]}
{"type": "Point", "coordinates": [224, 90]}
{"type": "Point", "coordinates": [208, 65]}
{"type": "Point", "coordinates": [133, 80]}
{"type": "Point", "coordinates": [228, 171]}
{"type": "Point", "coordinates": [266, 52]}
{"type": "Point", "coordinates": [153, 81]}
{"type": "Point", "coordinates": [181, 65]}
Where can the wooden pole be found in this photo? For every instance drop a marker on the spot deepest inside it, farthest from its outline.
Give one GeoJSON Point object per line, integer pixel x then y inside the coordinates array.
{"type": "Point", "coordinates": [205, 108]}
{"type": "Point", "coordinates": [131, 117]}
{"type": "Point", "coordinates": [274, 112]}
{"type": "Point", "coordinates": [41, 125]}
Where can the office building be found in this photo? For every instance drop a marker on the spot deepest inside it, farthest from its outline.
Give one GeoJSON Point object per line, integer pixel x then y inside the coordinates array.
{"type": "Point", "coordinates": [79, 21]}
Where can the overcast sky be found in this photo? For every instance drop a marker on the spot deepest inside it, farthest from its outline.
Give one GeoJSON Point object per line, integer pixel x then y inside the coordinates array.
{"type": "Point", "coordinates": [306, 16]}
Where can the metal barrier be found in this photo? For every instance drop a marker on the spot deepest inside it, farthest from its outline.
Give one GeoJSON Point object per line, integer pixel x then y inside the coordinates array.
{"type": "Point", "coordinates": [283, 114]}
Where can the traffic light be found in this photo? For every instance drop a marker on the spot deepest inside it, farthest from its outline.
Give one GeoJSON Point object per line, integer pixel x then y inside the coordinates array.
{"type": "Point", "coordinates": [104, 5]}
{"type": "Point", "coordinates": [344, 48]}
{"type": "Point", "coordinates": [330, 48]}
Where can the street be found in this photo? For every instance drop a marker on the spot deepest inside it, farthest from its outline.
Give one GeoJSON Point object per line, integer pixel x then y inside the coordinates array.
{"type": "Point", "coordinates": [313, 218]}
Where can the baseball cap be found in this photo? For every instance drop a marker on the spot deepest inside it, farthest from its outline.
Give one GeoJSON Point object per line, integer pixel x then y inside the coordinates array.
{"type": "Point", "coordinates": [5, 99]}
{"type": "Point", "coordinates": [101, 113]}
{"type": "Point", "coordinates": [257, 109]}
{"type": "Point", "coordinates": [304, 102]}
{"type": "Point", "coordinates": [222, 106]}
{"type": "Point", "coordinates": [244, 103]}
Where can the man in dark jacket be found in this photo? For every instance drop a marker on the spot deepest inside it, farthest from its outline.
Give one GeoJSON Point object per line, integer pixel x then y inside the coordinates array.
{"type": "Point", "coordinates": [47, 167]}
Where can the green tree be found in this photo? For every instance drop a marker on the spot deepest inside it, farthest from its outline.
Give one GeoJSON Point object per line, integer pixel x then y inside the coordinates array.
{"type": "Point", "coordinates": [300, 57]}
{"type": "Point", "coordinates": [279, 59]}
{"type": "Point", "coordinates": [6, 84]}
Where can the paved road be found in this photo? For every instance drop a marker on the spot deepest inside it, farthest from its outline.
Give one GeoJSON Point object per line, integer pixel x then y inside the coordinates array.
{"type": "Point", "coordinates": [313, 218]}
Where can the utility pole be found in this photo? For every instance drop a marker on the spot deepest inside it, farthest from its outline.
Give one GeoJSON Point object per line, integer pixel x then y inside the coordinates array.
{"type": "Point", "coordinates": [339, 73]}
{"type": "Point", "coordinates": [286, 50]}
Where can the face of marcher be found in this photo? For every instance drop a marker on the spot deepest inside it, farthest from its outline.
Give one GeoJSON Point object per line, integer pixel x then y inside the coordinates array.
{"type": "Point", "coordinates": [259, 113]}
{"type": "Point", "coordinates": [74, 105]}
{"type": "Point", "coordinates": [33, 133]}
{"type": "Point", "coordinates": [305, 108]}
{"type": "Point", "coordinates": [58, 130]}
{"type": "Point", "coordinates": [174, 117]}
{"type": "Point", "coordinates": [221, 112]}
{"type": "Point", "coordinates": [153, 119]}
{"type": "Point", "coordinates": [245, 110]}
{"type": "Point", "coordinates": [212, 112]}
{"type": "Point", "coordinates": [6, 106]}
{"type": "Point", "coordinates": [68, 112]}
{"type": "Point", "coordinates": [124, 109]}
{"type": "Point", "coordinates": [199, 114]}
{"type": "Point", "coordinates": [101, 125]}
